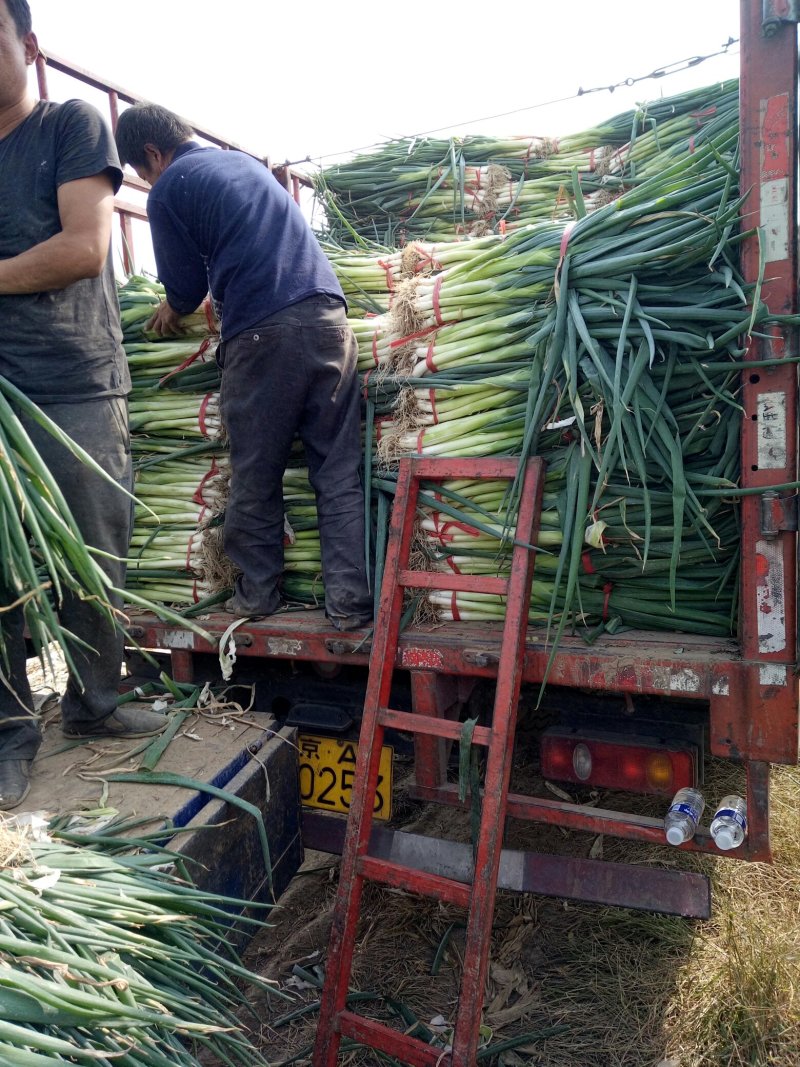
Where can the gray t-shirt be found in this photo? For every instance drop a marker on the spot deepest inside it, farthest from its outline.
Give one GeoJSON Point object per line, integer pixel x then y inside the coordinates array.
{"type": "Point", "coordinates": [63, 344]}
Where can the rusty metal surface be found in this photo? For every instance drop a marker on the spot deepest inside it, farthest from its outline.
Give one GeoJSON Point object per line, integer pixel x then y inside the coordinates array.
{"type": "Point", "coordinates": [643, 661]}
{"type": "Point", "coordinates": [592, 881]}
{"type": "Point", "coordinates": [753, 704]}
{"type": "Point", "coordinates": [625, 824]}
{"type": "Point", "coordinates": [759, 719]}
{"type": "Point", "coordinates": [394, 1043]}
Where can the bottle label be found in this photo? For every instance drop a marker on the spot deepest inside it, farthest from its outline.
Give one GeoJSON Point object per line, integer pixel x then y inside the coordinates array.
{"type": "Point", "coordinates": [686, 809]}
{"type": "Point", "coordinates": [729, 813]}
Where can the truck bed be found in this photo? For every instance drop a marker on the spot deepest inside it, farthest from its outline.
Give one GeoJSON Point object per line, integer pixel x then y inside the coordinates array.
{"type": "Point", "coordinates": [638, 661]}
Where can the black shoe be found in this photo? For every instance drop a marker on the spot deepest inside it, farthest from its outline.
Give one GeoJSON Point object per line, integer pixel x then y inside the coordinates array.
{"type": "Point", "coordinates": [14, 782]}
{"type": "Point", "coordinates": [233, 607]}
{"type": "Point", "coordinates": [351, 622]}
{"type": "Point", "coordinates": [124, 722]}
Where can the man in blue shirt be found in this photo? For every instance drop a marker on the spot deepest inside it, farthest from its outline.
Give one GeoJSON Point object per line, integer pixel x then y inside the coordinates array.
{"type": "Point", "coordinates": [222, 224]}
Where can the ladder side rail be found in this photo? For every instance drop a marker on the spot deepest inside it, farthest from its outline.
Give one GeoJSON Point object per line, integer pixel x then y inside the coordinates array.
{"type": "Point", "coordinates": [498, 772]}
{"type": "Point", "coordinates": [341, 944]}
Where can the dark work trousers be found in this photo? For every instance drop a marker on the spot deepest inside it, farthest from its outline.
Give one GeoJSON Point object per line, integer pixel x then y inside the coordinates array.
{"type": "Point", "coordinates": [295, 373]}
{"type": "Point", "coordinates": [103, 515]}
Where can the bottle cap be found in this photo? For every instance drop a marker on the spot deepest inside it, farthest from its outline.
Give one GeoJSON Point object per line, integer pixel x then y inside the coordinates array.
{"type": "Point", "coordinates": [724, 839]}
{"type": "Point", "coordinates": [675, 835]}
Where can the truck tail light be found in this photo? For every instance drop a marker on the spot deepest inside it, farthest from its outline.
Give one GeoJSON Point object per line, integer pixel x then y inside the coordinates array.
{"type": "Point", "coordinates": [638, 765]}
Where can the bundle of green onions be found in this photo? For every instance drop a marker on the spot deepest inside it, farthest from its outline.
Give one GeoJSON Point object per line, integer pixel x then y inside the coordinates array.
{"type": "Point", "coordinates": [177, 446]}
{"type": "Point", "coordinates": [611, 347]}
{"type": "Point", "coordinates": [140, 296]}
{"type": "Point", "coordinates": [182, 471]}
{"type": "Point", "coordinates": [114, 960]}
{"type": "Point", "coordinates": [43, 554]}
{"type": "Point", "coordinates": [441, 189]}
{"type": "Point", "coordinates": [302, 576]}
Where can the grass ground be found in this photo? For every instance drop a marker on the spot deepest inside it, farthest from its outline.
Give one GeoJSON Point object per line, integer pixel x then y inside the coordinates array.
{"type": "Point", "coordinates": [595, 987]}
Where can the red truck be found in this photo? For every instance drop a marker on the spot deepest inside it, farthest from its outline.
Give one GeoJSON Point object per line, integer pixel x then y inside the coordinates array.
{"type": "Point", "coordinates": [634, 700]}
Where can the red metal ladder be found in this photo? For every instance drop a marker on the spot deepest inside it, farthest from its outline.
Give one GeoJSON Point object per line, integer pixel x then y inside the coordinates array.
{"type": "Point", "coordinates": [336, 1021]}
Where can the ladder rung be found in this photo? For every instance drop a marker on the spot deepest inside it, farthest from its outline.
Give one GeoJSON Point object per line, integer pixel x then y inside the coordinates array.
{"type": "Point", "coordinates": [415, 881]}
{"type": "Point", "coordinates": [411, 723]}
{"type": "Point", "coordinates": [456, 583]}
{"type": "Point", "coordinates": [437, 468]}
{"type": "Point", "coordinates": [394, 1043]}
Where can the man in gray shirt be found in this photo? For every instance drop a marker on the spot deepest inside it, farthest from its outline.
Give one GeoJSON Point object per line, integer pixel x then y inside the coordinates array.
{"type": "Point", "coordinates": [62, 346]}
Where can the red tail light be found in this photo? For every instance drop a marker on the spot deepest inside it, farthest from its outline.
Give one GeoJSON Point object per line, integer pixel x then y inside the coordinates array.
{"type": "Point", "coordinates": [639, 765]}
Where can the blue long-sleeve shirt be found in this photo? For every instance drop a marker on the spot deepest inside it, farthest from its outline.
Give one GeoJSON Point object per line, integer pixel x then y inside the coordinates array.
{"type": "Point", "coordinates": [222, 224]}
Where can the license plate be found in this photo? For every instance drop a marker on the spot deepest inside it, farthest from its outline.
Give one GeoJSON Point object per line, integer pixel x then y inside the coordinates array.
{"type": "Point", "coordinates": [327, 770]}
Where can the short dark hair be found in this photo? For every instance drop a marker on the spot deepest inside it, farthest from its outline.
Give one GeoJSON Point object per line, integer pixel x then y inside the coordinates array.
{"type": "Point", "coordinates": [144, 124]}
{"type": "Point", "coordinates": [21, 14]}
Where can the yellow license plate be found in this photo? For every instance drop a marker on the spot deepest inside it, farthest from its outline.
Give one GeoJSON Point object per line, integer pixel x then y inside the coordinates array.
{"type": "Point", "coordinates": [327, 770]}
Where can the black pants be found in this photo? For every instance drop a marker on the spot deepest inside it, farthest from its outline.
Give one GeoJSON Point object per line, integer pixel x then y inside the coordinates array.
{"type": "Point", "coordinates": [295, 373]}
{"type": "Point", "coordinates": [103, 515]}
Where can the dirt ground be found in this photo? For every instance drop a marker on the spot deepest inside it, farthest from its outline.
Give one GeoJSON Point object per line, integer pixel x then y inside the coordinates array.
{"type": "Point", "coordinates": [570, 984]}
{"type": "Point", "coordinates": [579, 985]}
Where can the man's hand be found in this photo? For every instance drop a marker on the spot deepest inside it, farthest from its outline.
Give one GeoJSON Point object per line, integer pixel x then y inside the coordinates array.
{"type": "Point", "coordinates": [165, 321]}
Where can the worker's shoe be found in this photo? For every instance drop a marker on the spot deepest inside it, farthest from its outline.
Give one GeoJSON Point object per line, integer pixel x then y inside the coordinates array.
{"type": "Point", "coordinates": [124, 722]}
{"type": "Point", "coordinates": [351, 622]}
{"type": "Point", "coordinates": [235, 607]}
{"type": "Point", "coordinates": [15, 782]}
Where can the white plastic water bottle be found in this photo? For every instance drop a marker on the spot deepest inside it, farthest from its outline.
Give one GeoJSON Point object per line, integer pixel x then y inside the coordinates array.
{"type": "Point", "coordinates": [684, 814]}
{"type": "Point", "coordinates": [729, 825]}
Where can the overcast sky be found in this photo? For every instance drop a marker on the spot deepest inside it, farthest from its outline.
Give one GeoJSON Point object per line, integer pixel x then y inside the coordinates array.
{"type": "Point", "coordinates": [312, 78]}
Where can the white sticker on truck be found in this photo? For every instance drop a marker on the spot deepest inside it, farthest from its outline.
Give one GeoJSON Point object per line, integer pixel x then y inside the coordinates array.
{"type": "Point", "coordinates": [684, 681]}
{"type": "Point", "coordinates": [772, 674]}
{"type": "Point", "coordinates": [775, 219]}
{"type": "Point", "coordinates": [771, 430]}
{"type": "Point", "coordinates": [177, 639]}
{"type": "Point", "coordinates": [770, 603]}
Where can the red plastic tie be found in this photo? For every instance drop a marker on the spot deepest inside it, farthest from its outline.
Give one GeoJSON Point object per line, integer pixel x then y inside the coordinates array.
{"type": "Point", "coordinates": [204, 347]}
{"type": "Point", "coordinates": [420, 436]}
{"type": "Point", "coordinates": [451, 563]}
{"type": "Point", "coordinates": [454, 607]}
{"type": "Point", "coordinates": [413, 336]}
{"type": "Point", "coordinates": [429, 357]}
{"type": "Point", "coordinates": [588, 567]}
{"type": "Point", "coordinates": [606, 597]}
{"type": "Point", "coordinates": [375, 349]}
{"type": "Point", "coordinates": [211, 318]}
{"type": "Point", "coordinates": [389, 276]}
{"type": "Point", "coordinates": [445, 537]}
{"type": "Point", "coordinates": [564, 242]}
{"type": "Point", "coordinates": [198, 493]}
{"type": "Point", "coordinates": [432, 397]}
{"type": "Point", "coordinates": [502, 227]}
{"type": "Point", "coordinates": [201, 418]}
{"type": "Point", "coordinates": [379, 421]}
{"type": "Point", "coordinates": [437, 285]}
{"type": "Point", "coordinates": [706, 113]}
{"type": "Point", "coordinates": [691, 145]}
{"type": "Point", "coordinates": [562, 252]}
{"type": "Point", "coordinates": [364, 390]}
